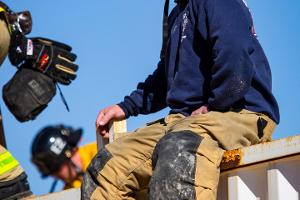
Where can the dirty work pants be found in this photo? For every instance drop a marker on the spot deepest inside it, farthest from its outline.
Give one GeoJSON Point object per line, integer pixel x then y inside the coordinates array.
{"type": "Point", "coordinates": [174, 158]}
{"type": "Point", "coordinates": [9, 166]}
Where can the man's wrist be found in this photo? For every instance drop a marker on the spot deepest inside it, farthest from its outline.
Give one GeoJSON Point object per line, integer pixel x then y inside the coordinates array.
{"type": "Point", "coordinates": [123, 106]}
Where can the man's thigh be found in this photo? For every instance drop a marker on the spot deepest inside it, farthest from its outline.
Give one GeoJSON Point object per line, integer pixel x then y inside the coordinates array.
{"type": "Point", "coordinates": [186, 162]}
{"type": "Point", "coordinates": [230, 129]}
{"type": "Point", "coordinates": [216, 131]}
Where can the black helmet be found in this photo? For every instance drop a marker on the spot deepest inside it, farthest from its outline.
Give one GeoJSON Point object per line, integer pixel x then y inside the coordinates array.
{"type": "Point", "coordinates": [53, 146]}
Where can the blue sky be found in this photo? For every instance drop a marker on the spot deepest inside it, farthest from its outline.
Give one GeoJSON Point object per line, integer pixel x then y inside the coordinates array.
{"type": "Point", "coordinates": [118, 45]}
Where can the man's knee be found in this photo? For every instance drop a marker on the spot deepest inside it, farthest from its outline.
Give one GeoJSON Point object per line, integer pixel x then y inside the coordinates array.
{"type": "Point", "coordinates": [174, 163]}
{"type": "Point", "coordinates": [90, 181]}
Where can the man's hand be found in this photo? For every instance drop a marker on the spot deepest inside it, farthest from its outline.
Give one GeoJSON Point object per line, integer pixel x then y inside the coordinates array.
{"type": "Point", "coordinates": [106, 116]}
{"type": "Point", "coordinates": [201, 110]}
{"type": "Point", "coordinates": [50, 57]}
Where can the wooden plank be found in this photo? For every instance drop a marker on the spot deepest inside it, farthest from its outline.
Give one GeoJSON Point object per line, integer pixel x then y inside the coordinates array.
{"type": "Point", "coordinates": [117, 129]}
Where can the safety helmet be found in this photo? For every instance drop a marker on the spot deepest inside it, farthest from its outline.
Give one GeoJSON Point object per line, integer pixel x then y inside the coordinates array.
{"type": "Point", "coordinates": [11, 22]}
{"type": "Point", "coordinates": [20, 21]}
{"type": "Point", "coordinates": [3, 7]}
{"type": "Point", "coordinates": [53, 146]}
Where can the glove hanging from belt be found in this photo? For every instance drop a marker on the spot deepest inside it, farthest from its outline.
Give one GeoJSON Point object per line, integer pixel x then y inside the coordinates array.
{"type": "Point", "coordinates": [41, 64]}
{"type": "Point", "coordinates": [50, 57]}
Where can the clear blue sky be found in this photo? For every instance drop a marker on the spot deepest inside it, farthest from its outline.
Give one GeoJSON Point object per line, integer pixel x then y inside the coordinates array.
{"type": "Point", "coordinates": [118, 44]}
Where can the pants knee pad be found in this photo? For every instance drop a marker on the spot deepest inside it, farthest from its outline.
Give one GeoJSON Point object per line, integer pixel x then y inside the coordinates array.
{"type": "Point", "coordinates": [174, 163]}
{"type": "Point", "coordinates": [90, 181]}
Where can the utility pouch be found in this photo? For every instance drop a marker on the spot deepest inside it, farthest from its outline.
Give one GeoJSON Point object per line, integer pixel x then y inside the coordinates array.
{"type": "Point", "coordinates": [27, 94]}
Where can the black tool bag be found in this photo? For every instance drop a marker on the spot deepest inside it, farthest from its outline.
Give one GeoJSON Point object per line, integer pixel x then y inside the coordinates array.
{"type": "Point", "coordinates": [27, 94]}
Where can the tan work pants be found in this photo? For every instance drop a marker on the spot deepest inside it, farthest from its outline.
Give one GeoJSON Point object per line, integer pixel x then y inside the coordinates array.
{"type": "Point", "coordinates": [174, 158]}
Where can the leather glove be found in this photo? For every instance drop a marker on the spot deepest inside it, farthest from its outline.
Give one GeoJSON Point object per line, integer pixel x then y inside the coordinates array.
{"type": "Point", "coordinates": [50, 57]}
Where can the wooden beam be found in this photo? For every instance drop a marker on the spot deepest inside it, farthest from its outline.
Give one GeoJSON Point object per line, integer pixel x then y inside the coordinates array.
{"type": "Point", "coordinates": [117, 129]}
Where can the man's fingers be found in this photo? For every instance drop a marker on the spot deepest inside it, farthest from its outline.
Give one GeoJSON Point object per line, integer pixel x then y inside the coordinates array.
{"type": "Point", "coordinates": [201, 110]}
{"type": "Point", "coordinates": [106, 135]}
{"type": "Point", "coordinates": [106, 115]}
{"type": "Point", "coordinates": [204, 109]}
{"type": "Point", "coordinates": [99, 118]}
{"type": "Point", "coordinates": [102, 130]}
{"type": "Point", "coordinates": [106, 118]}
{"type": "Point", "coordinates": [195, 112]}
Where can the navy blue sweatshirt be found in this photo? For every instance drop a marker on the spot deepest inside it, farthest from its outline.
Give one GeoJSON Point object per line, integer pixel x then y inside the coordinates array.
{"type": "Point", "coordinates": [213, 58]}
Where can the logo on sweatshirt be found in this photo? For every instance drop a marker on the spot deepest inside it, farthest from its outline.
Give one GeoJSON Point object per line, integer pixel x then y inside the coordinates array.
{"type": "Point", "coordinates": [184, 24]}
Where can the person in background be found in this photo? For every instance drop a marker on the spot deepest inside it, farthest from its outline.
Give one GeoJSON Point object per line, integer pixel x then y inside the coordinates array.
{"type": "Point", "coordinates": [55, 152]}
{"type": "Point", "coordinates": [13, 43]}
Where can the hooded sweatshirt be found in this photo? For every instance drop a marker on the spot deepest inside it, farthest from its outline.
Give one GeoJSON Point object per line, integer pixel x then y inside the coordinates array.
{"type": "Point", "coordinates": [213, 58]}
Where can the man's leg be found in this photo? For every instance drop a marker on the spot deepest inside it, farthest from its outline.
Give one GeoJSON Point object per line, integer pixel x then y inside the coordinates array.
{"type": "Point", "coordinates": [13, 180]}
{"type": "Point", "coordinates": [124, 167]}
{"type": "Point", "coordinates": [188, 157]}
{"type": "Point", "coordinates": [186, 167]}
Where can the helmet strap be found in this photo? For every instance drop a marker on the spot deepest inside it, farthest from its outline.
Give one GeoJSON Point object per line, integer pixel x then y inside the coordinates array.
{"type": "Point", "coordinates": [53, 186]}
{"type": "Point", "coordinates": [77, 169]}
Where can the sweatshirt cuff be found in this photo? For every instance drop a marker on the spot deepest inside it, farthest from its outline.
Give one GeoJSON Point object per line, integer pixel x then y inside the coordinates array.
{"type": "Point", "coordinates": [123, 106]}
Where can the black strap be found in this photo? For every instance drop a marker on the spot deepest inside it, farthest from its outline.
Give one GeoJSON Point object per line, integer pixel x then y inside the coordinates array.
{"type": "Point", "coordinates": [63, 98]}
{"type": "Point", "coordinates": [2, 135]}
{"type": "Point", "coordinates": [165, 35]}
{"type": "Point", "coordinates": [53, 186]}
{"type": "Point", "coordinates": [78, 170]}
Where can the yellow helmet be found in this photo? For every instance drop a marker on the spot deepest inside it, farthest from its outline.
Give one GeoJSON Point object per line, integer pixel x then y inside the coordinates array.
{"type": "Point", "coordinates": [2, 9]}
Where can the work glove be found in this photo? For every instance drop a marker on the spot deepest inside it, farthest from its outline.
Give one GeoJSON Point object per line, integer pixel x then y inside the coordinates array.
{"type": "Point", "coordinates": [50, 57]}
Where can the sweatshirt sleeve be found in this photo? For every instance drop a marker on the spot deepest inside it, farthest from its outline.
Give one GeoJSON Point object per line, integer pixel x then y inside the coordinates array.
{"type": "Point", "coordinates": [228, 24]}
{"type": "Point", "coordinates": [150, 95]}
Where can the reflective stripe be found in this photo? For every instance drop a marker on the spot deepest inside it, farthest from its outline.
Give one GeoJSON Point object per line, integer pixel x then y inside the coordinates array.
{"type": "Point", "coordinates": [7, 162]}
